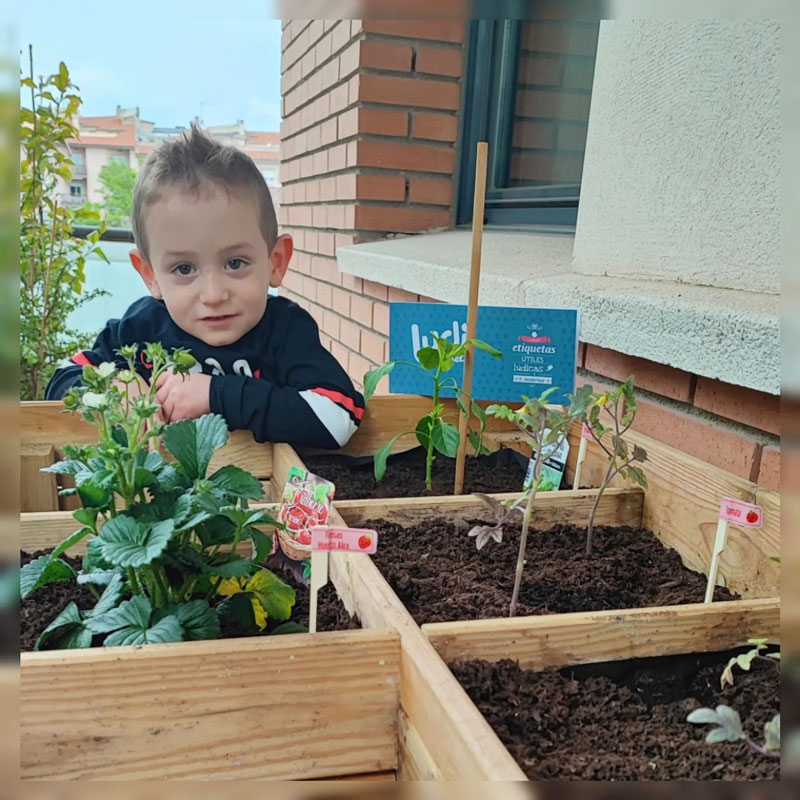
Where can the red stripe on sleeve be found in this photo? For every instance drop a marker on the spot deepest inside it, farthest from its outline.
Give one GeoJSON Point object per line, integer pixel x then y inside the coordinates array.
{"type": "Point", "coordinates": [81, 359]}
{"type": "Point", "coordinates": [342, 400]}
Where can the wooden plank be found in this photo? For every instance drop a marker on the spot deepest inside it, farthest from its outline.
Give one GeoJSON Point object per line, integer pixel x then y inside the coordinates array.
{"type": "Point", "coordinates": [617, 507]}
{"type": "Point", "coordinates": [388, 776]}
{"type": "Point", "coordinates": [681, 506]}
{"type": "Point", "coordinates": [560, 639]}
{"type": "Point", "coordinates": [199, 710]}
{"type": "Point", "coordinates": [45, 422]}
{"type": "Point", "coordinates": [388, 415]}
{"type": "Point", "coordinates": [38, 490]}
{"type": "Point", "coordinates": [415, 761]}
{"type": "Point", "coordinates": [40, 530]}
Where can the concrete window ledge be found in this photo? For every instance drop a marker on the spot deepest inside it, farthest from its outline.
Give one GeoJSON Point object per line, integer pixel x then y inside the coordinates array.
{"type": "Point", "coordinates": [730, 335]}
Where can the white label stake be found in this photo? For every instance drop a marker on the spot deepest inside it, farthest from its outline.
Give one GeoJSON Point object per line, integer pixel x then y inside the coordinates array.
{"type": "Point", "coordinates": [325, 538]}
{"type": "Point", "coordinates": [319, 577]}
{"type": "Point", "coordinates": [585, 436]}
{"type": "Point", "coordinates": [741, 514]}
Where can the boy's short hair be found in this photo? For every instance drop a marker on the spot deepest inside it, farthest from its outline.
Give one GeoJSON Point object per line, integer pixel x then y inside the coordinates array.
{"type": "Point", "coordinates": [187, 162]}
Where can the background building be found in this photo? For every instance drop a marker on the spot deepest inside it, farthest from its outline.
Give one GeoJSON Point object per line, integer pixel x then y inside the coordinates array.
{"type": "Point", "coordinates": [127, 138]}
{"type": "Point", "coordinates": [667, 132]}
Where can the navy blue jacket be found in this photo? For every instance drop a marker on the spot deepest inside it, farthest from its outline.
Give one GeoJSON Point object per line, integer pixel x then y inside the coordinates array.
{"type": "Point", "coordinates": [277, 381]}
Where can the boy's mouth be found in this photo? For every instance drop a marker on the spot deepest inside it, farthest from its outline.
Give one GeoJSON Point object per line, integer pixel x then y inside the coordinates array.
{"type": "Point", "coordinates": [218, 319]}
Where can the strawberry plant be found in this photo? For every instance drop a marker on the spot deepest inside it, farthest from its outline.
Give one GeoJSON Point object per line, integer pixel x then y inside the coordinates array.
{"type": "Point", "coordinates": [546, 426]}
{"type": "Point", "coordinates": [163, 556]}
{"type": "Point", "coordinates": [620, 405]}
{"type": "Point", "coordinates": [432, 431]}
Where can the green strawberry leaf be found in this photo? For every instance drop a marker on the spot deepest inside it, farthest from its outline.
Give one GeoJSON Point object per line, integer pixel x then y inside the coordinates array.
{"type": "Point", "coordinates": [196, 617]}
{"type": "Point", "coordinates": [41, 571]}
{"type": "Point", "coordinates": [126, 542]}
{"type": "Point", "coordinates": [129, 623]}
{"type": "Point", "coordinates": [237, 482]}
{"type": "Point", "coordinates": [193, 442]}
{"type": "Point", "coordinates": [66, 631]}
{"type": "Point", "coordinates": [276, 597]}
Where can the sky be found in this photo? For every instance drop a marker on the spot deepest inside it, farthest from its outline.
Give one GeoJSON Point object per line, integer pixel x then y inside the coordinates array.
{"type": "Point", "coordinates": [173, 59]}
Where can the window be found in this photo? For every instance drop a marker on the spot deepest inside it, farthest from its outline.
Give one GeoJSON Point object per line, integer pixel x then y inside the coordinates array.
{"type": "Point", "coordinates": [118, 158]}
{"type": "Point", "coordinates": [78, 158]}
{"type": "Point", "coordinates": [76, 190]}
{"type": "Point", "coordinates": [269, 175]}
{"type": "Point", "coordinates": [528, 87]}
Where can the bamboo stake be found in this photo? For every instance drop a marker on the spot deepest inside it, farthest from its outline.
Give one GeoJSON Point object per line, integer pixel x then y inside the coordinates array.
{"type": "Point", "coordinates": [478, 202]}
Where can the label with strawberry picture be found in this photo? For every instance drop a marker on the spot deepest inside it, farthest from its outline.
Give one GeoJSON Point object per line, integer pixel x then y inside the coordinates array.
{"type": "Point", "coordinates": [353, 540]}
{"type": "Point", "coordinates": [306, 502]}
{"type": "Point", "coordinates": [745, 515]}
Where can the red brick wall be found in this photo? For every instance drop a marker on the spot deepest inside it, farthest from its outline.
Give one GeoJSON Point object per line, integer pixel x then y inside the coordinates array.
{"type": "Point", "coordinates": [368, 148]}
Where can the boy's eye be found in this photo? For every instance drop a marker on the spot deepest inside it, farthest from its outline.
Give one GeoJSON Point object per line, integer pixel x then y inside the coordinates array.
{"type": "Point", "coordinates": [236, 263]}
{"type": "Point", "coordinates": [183, 269]}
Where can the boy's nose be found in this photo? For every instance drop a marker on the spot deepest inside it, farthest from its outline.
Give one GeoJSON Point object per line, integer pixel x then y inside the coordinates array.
{"type": "Point", "coordinates": [213, 291]}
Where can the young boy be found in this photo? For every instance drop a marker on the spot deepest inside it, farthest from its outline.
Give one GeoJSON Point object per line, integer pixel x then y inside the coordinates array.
{"type": "Point", "coordinates": [208, 250]}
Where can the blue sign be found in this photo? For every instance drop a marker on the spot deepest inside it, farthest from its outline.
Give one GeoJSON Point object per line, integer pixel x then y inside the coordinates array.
{"type": "Point", "coordinates": [539, 347]}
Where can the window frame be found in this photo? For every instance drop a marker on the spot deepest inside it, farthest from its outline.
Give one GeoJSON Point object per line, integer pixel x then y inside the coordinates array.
{"type": "Point", "coordinates": [487, 99]}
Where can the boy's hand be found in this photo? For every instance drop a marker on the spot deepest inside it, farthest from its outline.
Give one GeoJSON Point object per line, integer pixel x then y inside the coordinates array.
{"type": "Point", "coordinates": [184, 396]}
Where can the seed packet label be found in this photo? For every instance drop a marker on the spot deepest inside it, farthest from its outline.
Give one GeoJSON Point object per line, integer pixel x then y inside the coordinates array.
{"type": "Point", "coordinates": [353, 540]}
{"type": "Point", "coordinates": [553, 465]}
{"type": "Point", "coordinates": [306, 502]}
{"type": "Point", "coordinates": [745, 515]}
{"type": "Point", "coordinates": [586, 432]}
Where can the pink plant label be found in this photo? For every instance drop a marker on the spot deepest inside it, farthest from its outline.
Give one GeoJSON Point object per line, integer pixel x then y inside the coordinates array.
{"type": "Point", "coordinates": [586, 432]}
{"type": "Point", "coordinates": [353, 540]}
{"type": "Point", "coordinates": [745, 515]}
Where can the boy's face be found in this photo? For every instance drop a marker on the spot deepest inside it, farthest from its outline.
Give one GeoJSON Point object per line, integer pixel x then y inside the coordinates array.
{"type": "Point", "coordinates": [209, 262]}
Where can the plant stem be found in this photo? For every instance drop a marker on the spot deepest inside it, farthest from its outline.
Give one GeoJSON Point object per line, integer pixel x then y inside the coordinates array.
{"type": "Point", "coordinates": [161, 581]}
{"type": "Point", "coordinates": [429, 457]}
{"type": "Point", "coordinates": [590, 527]}
{"type": "Point", "coordinates": [526, 517]}
{"type": "Point", "coordinates": [762, 750]}
{"type": "Point", "coordinates": [133, 581]}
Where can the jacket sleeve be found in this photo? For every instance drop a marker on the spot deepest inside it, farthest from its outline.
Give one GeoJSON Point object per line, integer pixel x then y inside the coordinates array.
{"type": "Point", "coordinates": [68, 374]}
{"type": "Point", "coordinates": [312, 404]}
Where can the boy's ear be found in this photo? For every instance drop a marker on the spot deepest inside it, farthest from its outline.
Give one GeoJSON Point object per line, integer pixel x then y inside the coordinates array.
{"type": "Point", "coordinates": [142, 266]}
{"type": "Point", "coordinates": [280, 257]}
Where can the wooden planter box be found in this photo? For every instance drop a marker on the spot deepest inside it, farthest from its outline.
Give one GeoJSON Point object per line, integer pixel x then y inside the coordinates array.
{"type": "Point", "coordinates": [379, 701]}
{"type": "Point", "coordinates": [438, 733]}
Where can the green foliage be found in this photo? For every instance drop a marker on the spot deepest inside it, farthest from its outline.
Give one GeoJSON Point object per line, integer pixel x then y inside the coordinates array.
{"type": "Point", "coordinates": [546, 426]}
{"type": "Point", "coordinates": [432, 431]}
{"type": "Point", "coordinates": [52, 261]}
{"type": "Point", "coordinates": [729, 729]}
{"type": "Point", "coordinates": [157, 552]}
{"type": "Point", "coordinates": [620, 406]}
{"type": "Point", "coordinates": [729, 724]}
{"type": "Point", "coordinates": [118, 181]}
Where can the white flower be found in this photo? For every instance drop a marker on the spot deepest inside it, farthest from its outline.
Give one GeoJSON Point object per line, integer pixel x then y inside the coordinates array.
{"type": "Point", "coordinates": [94, 400]}
{"type": "Point", "coordinates": [106, 369]}
{"type": "Point", "coordinates": [126, 376]}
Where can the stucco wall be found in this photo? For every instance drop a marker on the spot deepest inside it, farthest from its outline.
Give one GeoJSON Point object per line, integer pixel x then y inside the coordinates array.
{"type": "Point", "coordinates": [681, 175]}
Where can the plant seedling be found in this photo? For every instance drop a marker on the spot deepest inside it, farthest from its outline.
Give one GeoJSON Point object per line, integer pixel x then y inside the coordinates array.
{"type": "Point", "coordinates": [620, 405]}
{"type": "Point", "coordinates": [729, 724]}
{"type": "Point", "coordinates": [432, 431]}
{"type": "Point", "coordinates": [162, 546]}
{"type": "Point", "coordinates": [546, 426]}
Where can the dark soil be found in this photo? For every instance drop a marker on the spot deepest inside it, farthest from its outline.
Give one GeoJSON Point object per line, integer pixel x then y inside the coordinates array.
{"type": "Point", "coordinates": [625, 721]}
{"type": "Point", "coordinates": [439, 575]}
{"type": "Point", "coordinates": [354, 479]}
{"type": "Point", "coordinates": [39, 609]}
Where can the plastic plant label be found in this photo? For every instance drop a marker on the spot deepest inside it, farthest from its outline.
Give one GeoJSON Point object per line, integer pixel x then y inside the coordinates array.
{"type": "Point", "coordinates": [553, 465]}
{"type": "Point", "coordinates": [352, 540]}
{"type": "Point", "coordinates": [744, 515]}
{"type": "Point", "coordinates": [586, 432]}
{"type": "Point", "coordinates": [306, 502]}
